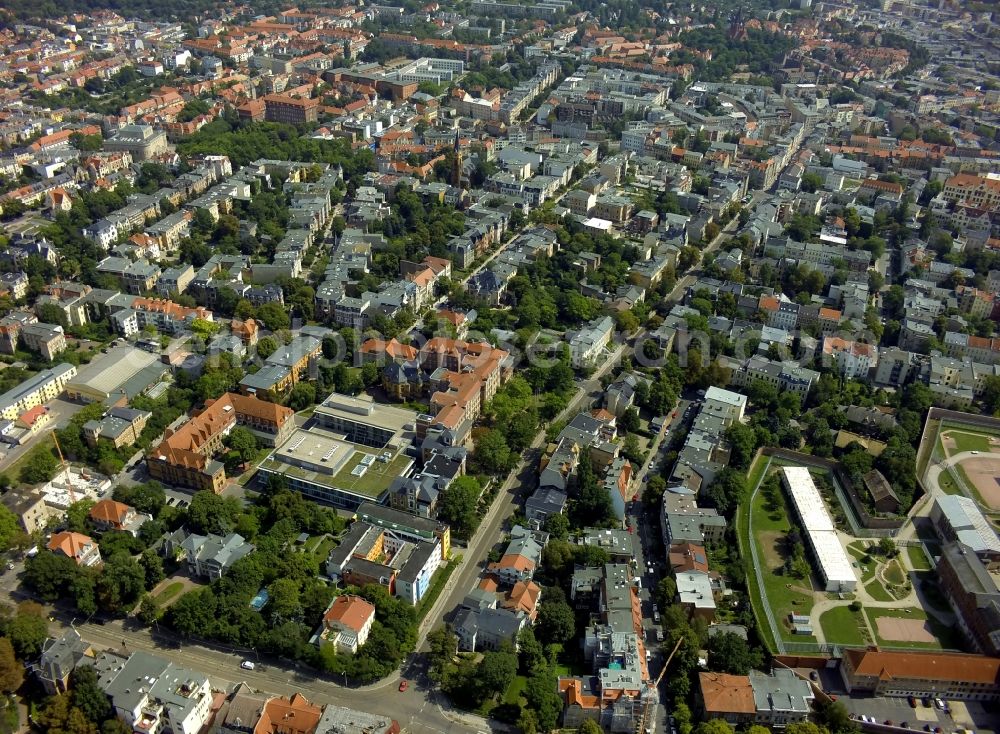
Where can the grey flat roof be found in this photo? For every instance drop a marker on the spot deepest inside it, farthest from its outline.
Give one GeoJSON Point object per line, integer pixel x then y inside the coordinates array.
{"type": "Point", "coordinates": [109, 372]}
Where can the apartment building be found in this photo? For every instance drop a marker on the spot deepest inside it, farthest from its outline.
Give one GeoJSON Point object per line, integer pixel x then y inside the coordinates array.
{"type": "Point", "coordinates": [947, 675]}
{"type": "Point", "coordinates": [46, 339]}
{"type": "Point", "coordinates": [185, 456]}
{"type": "Point", "coordinates": [785, 376]}
{"type": "Point", "coordinates": [170, 697]}
{"type": "Point", "coordinates": [588, 344]}
{"type": "Point", "coordinates": [167, 316]}
{"type": "Point", "coordinates": [36, 390]}
{"type": "Point", "coordinates": [852, 359]}
{"type": "Point", "coordinates": [464, 376]}
{"type": "Point", "coordinates": [80, 548]}
{"type": "Point", "coordinates": [979, 349]}
{"type": "Point", "coordinates": [347, 623]}
{"type": "Point", "coordinates": [773, 699]}
{"type": "Point", "coordinates": [982, 192]}
{"type": "Point", "coordinates": [111, 515]}
{"type": "Point", "coordinates": [294, 110]}
{"type": "Point", "coordinates": [28, 507]}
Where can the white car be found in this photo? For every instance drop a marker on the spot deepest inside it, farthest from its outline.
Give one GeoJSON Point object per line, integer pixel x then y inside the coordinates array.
{"type": "Point", "coordinates": [247, 665]}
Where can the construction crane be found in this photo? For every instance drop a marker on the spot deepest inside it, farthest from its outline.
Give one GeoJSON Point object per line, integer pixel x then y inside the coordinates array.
{"type": "Point", "coordinates": [647, 708]}
{"type": "Point", "coordinates": [62, 462]}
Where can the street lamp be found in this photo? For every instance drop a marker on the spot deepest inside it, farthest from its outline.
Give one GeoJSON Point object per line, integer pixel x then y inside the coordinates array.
{"type": "Point", "coordinates": [344, 673]}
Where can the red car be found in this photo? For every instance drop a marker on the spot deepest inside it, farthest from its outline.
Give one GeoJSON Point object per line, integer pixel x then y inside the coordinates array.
{"type": "Point", "coordinates": [403, 685]}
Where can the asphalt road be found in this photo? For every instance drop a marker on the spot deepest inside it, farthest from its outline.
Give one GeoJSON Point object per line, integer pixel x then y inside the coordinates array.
{"type": "Point", "coordinates": [515, 489]}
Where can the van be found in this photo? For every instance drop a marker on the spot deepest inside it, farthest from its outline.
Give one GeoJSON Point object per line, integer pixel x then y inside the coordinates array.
{"type": "Point", "coordinates": [247, 665]}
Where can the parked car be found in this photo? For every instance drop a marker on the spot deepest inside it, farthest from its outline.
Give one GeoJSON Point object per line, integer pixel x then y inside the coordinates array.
{"type": "Point", "coordinates": [813, 675]}
{"type": "Point", "coordinates": [403, 685]}
{"type": "Point", "coordinates": [912, 701]}
{"type": "Point", "coordinates": [247, 665]}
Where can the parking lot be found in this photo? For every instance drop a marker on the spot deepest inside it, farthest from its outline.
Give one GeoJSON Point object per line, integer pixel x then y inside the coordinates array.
{"type": "Point", "coordinates": [961, 715]}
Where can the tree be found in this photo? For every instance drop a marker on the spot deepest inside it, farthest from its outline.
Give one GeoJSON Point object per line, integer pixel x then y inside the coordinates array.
{"type": "Point", "coordinates": [242, 441]}
{"type": "Point", "coordinates": [887, 547]}
{"type": "Point", "coordinates": [78, 515]}
{"type": "Point", "coordinates": [556, 620]}
{"type": "Point", "coordinates": [805, 727]}
{"type": "Point", "coordinates": [543, 698]}
{"type": "Point", "coordinates": [496, 671]}
{"type": "Point", "coordinates": [48, 574]}
{"type": "Point", "coordinates": [730, 653]}
{"type": "Point", "coordinates": [121, 582]}
{"type": "Point", "coordinates": [204, 329]}
{"type": "Point", "coordinates": [211, 513]}
{"type": "Point", "coordinates": [557, 526]}
{"type": "Point", "coordinates": [630, 420]}
{"type": "Point", "coordinates": [835, 717]}
{"type": "Point", "coordinates": [28, 630]}
{"type": "Point", "coordinates": [148, 497]}
{"type": "Point", "coordinates": [458, 505]}
{"type": "Point", "coordinates": [149, 610]}
{"type": "Point", "coordinates": [152, 567]}
{"type": "Point", "coordinates": [39, 467]}
{"type": "Point", "coordinates": [727, 490]}
{"type": "Point", "coordinates": [811, 182]}
{"type": "Point", "coordinates": [11, 671]}
{"type": "Point", "coordinates": [443, 644]}
{"type": "Point", "coordinates": [11, 535]}
{"type": "Point", "coordinates": [991, 394]}
{"type": "Point", "coordinates": [527, 722]}
{"type": "Point", "coordinates": [743, 444]}
{"type": "Point", "coordinates": [529, 650]}
{"type": "Point", "coordinates": [302, 396]}
{"type": "Point", "coordinates": [714, 726]}
{"type": "Point", "coordinates": [274, 316]}
{"type": "Point", "coordinates": [266, 346]}
{"type": "Point", "coordinates": [88, 696]}
{"type": "Point", "coordinates": [493, 454]}
{"type": "Point", "coordinates": [666, 591]}
{"type": "Point", "coordinates": [589, 726]}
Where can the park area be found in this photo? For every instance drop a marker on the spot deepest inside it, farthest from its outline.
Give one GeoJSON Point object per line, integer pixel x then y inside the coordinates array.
{"type": "Point", "coordinates": [885, 608]}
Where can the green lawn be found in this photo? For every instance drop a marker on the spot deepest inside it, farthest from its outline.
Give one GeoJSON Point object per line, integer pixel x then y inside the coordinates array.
{"type": "Point", "coordinates": [969, 439]}
{"type": "Point", "coordinates": [947, 482]}
{"type": "Point", "coordinates": [515, 689]}
{"type": "Point", "coordinates": [878, 592]}
{"type": "Point", "coordinates": [769, 524]}
{"type": "Point", "coordinates": [756, 472]}
{"type": "Point", "coordinates": [857, 551]}
{"type": "Point", "coordinates": [842, 626]}
{"type": "Point", "coordinates": [918, 559]}
{"type": "Point", "coordinates": [169, 592]}
{"type": "Point", "coordinates": [753, 589]}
